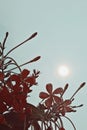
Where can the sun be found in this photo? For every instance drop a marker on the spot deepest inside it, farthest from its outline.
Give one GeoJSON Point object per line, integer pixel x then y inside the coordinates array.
{"type": "Point", "coordinates": [63, 70]}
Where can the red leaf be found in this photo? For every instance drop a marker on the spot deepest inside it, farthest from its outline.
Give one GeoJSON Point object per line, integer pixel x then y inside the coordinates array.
{"type": "Point", "coordinates": [49, 88]}
{"type": "Point", "coordinates": [58, 91]}
{"type": "Point", "coordinates": [43, 95]}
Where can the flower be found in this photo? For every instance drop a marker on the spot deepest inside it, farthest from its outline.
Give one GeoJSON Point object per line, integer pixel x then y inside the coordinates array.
{"type": "Point", "coordinates": [65, 107]}
{"type": "Point", "coordinates": [51, 96]}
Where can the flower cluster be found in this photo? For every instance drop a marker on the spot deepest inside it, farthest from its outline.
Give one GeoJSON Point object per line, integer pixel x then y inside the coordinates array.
{"type": "Point", "coordinates": [56, 106]}
{"type": "Point", "coordinates": [15, 111]}
{"type": "Point", "coordinates": [14, 89]}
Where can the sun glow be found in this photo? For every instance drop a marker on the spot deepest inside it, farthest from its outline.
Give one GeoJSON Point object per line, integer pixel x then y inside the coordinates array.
{"type": "Point", "coordinates": [63, 71]}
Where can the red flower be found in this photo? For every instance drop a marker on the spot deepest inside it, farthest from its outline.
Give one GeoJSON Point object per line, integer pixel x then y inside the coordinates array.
{"type": "Point", "coordinates": [51, 97]}
{"type": "Point", "coordinates": [21, 82]}
{"type": "Point", "coordinates": [65, 107]}
{"type": "Point", "coordinates": [19, 87]}
{"type": "Point", "coordinates": [29, 80]}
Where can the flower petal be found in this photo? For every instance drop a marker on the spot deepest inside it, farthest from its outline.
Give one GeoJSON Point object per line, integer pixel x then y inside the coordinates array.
{"type": "Point", "coordinates": [25, 73]}
{"type": "Point", "coordinates": [31, 80]}
{"type": "Point", "coordinates": [58, 91]}
{"type": "Point", "coordinates": [49, 88]}
{"type": "Point", "coordinates": [48, 102]}
{"type": "Point", "coordinates": [43, 95]}
{"type": "Point", "coordinates": [57, 99]}
{"type": "Point", "coordinates": [67, 102]}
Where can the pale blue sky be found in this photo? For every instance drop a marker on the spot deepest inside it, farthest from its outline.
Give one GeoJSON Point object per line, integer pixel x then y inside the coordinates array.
{"type": "Point", "coordinates": [62, 39]}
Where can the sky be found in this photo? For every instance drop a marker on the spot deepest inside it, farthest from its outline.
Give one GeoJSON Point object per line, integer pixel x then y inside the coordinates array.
{"type": "Point", "coordinates": [61, 40]}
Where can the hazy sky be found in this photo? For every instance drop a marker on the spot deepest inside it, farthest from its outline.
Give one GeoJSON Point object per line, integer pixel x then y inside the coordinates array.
{"type": "Point", "coordinates": [62, 39]}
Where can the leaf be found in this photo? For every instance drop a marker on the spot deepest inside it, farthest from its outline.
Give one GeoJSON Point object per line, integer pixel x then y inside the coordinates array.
{"type": "Point", "coordinates": [58, 91]}
{"type": "Point", "coordinates": [43, 95]}
{"type": "Point", "coordinates": [49, 88]}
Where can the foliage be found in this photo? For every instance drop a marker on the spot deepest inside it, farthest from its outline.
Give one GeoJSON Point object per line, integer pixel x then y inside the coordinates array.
{"type": "Point", "coordinates": [15, 111]}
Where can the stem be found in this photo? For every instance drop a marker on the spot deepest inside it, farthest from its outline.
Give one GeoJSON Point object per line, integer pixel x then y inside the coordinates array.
{"type": "Point", "coordinates": [57, 125]}
{"type": "Point", "coordinates": [70, 122]}
{"type": "Point", "coordinates": [35, 59]}
{"type": "Point", "coordinates": [15, 63]}
{"type": "Point", "coordinates": [2, 56]}
{"type": "Point", "coordinates": [32, 36]}
{"type": "Point", "coordinates": [5, 40]}
{"type": "Point", "coordinates": [65, 88]}
{"type": "Point", "coordinates": [25, 123]}
{"type": "Point", "coordinates": [81, 86]}
{"type": "Point", "coordinates": [60, 121]}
